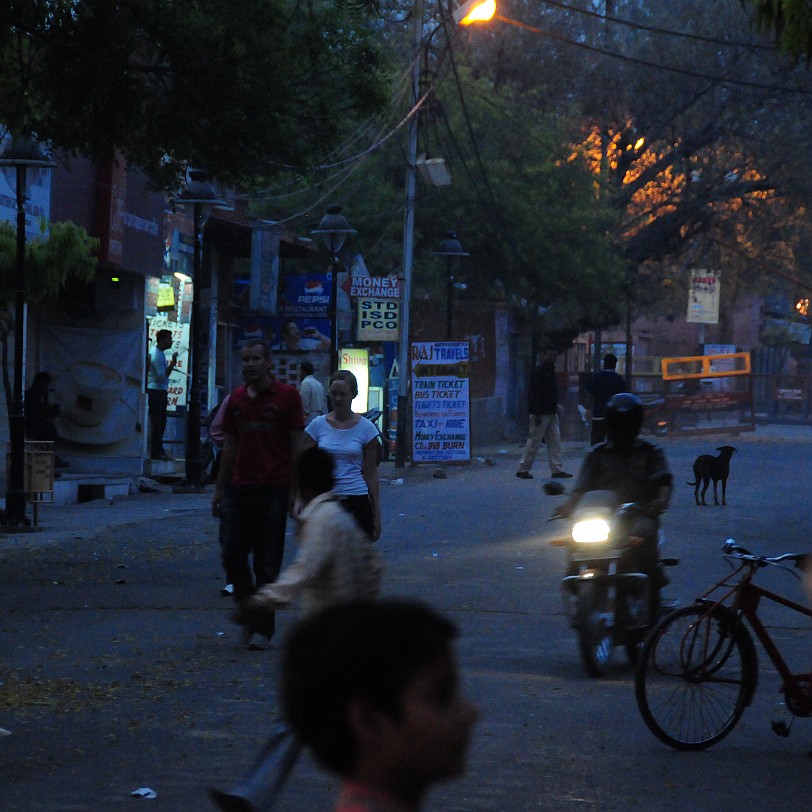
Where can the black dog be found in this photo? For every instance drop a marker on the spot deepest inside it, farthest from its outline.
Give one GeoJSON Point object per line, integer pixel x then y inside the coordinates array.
{"type": "Point", "coordinates": [707, 468]}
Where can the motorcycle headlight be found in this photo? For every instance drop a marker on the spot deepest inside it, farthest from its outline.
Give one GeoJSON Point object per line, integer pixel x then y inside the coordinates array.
{"type": "Point", "coordinates": [590, 531]}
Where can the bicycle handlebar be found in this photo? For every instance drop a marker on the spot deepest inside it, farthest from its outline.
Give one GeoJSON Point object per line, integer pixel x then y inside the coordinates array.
{"type": "Point", "coordinates": [730, 548]}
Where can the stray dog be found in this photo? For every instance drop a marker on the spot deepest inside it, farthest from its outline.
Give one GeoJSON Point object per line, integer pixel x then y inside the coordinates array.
{"type": "Point", "coordinates": [707, 468]}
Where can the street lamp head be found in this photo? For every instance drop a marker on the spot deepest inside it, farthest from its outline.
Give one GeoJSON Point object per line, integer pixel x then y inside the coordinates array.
{"type": "Point", "coordinates": [475, 11]}
{"type": "Point", "coordinates": [199, 191]}
{"type": "Point", "coordinates": [334, 229]}
{"type": "Point", "coordinates": [20, 153]}
{"type": "Point", "coordinates": [451, 246]}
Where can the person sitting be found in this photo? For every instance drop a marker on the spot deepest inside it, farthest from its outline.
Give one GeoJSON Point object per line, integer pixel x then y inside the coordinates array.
{"type": "Point", "coordinates": [372, 689]}
{"type": "Point", "coordinates": [40, 412]}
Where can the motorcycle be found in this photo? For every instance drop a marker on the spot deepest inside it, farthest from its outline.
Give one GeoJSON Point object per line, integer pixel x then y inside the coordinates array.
{"type": "Point", "coordinates": [608, 602]}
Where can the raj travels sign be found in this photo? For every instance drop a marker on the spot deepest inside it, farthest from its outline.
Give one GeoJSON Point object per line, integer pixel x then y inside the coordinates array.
{"type": "Point", "coordinates": [441, 403]}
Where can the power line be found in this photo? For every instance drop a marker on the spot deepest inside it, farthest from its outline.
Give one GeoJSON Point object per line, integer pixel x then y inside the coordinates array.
{"type": "Point", "coordinates": [665, 31]}
{"type": "Point", "coordinates": [649, 64]}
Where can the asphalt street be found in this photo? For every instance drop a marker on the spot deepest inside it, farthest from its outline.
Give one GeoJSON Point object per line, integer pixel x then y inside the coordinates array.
{"type": "Point", "coordinates": [120, 669]}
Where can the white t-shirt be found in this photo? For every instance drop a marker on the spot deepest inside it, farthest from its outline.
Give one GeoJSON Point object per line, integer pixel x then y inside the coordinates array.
{"type": "Point", "coordinates": [347, 448]}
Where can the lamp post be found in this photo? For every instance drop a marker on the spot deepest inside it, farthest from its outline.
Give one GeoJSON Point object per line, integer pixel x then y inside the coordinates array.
{"type": "Point", "coordinates": [19, 154]}
{"type": "Point", "coordinates": [472, 11]}
{"type": "Point", "coordinates": [334, 230]}
{"type": "Point", "coordinates": [451, 249]}
{"type": "Point", "coordinates": [199, 194]}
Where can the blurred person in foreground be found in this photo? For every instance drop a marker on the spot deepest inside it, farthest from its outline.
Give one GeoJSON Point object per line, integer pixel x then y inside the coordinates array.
{"type": "Point", "coordinates": [372, 688]}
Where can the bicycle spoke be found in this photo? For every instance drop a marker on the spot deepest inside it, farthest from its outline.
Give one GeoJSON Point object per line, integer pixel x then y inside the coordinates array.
{"type": "Point", "coordinates": [693, 679]}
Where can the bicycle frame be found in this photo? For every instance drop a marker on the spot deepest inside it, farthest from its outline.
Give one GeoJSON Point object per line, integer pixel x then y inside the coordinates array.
{"type": "Point", "coordinates": [797, 688]}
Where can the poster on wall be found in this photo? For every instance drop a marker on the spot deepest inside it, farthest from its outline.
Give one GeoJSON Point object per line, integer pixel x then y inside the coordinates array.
{"type": "Point", "coordinates": [441, 414]}
{"type": "Point", "coordinates": [98, 379]}
{"type": "Point", "coordinates": [703, 297]}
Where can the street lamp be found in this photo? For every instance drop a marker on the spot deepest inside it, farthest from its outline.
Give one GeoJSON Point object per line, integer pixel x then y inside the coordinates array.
{"type": "Point", "coordinates": [334, 230]}
{"type": "Point", "coordinates": [19, 154]}
{"type": "Point", "coordinates": [451, 249]}
{"type": "Point", "coordinates": [464, 14]}
{"type": "Point", "coordinates": [199, 194]}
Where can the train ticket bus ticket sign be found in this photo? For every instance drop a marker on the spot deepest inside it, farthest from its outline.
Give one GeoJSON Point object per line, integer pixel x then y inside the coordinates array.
{"type": "Point", "coordinates": [441, 402]}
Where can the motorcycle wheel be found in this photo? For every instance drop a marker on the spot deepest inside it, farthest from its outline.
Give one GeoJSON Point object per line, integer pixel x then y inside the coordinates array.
{"type": "Point", "coordinates": [594, 630]}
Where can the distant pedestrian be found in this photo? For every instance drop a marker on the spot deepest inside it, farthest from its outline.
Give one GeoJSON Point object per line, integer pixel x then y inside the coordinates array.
{"type": "Point", "coordinates": [354, 443]}
{"type": "Point", "coordinates": [263, 431]}
{"type": "Point", "coordinates": [372, 689]}
{"type": "Point", "coordinates": [334, 562]}
{"type": "Point", "coordinates": [600, 388]}
{"type": "Point", "coordinates": [158, 373]}
{"type": "Point", "coordinates": [542, 397]}
{"type": "Point", "coordinates": [314, 399]}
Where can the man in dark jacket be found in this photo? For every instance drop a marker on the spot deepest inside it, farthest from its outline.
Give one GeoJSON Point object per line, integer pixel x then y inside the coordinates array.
{"type": "Point", "coordinates": [601, 387]}
{"type": "Point", "coordinates": [543, 408]}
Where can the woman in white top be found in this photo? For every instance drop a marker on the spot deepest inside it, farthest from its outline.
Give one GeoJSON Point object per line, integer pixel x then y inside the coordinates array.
{"type": "Point", "coordinates": [353, 442]}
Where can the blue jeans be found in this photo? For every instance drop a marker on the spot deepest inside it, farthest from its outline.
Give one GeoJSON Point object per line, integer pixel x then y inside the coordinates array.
{"type": "Point", "coordinates": [254, 526]}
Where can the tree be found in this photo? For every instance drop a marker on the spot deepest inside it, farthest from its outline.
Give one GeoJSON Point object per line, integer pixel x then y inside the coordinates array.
{"type": "Point", "coordinates": [66, 253]}
{"type": "Point", "coordinates": [697, 129]}
{"type": "Point", "coordinates": [789, 20]}
{"type": "Point", "coordinates": [239, 88]}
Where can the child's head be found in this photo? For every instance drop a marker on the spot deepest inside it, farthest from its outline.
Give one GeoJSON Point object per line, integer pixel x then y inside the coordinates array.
{"type": "Point", "coordinates": [313, 469]}
{"type": "Point", "coordinates": [372, 688]}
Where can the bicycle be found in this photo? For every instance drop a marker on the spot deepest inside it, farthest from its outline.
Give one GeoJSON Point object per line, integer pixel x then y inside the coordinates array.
{"type": "Point", "coordinates": [698, 668]}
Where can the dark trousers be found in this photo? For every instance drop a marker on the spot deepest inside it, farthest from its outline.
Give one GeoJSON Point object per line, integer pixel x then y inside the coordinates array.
{"type": "Point", "coordinates": [360, 507]}
{"type": "Point", "coordinates": [157, 400]}
{"type": "Point", "coordinates": [254, 526]}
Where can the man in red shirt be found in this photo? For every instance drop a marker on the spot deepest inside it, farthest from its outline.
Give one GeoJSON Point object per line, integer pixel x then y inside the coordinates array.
{"type": "Point", "coordinates": [263, 433]}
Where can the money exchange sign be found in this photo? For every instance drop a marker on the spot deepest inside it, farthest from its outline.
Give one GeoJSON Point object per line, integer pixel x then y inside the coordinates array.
{"type": "Point", "coordinates": [441, 413]}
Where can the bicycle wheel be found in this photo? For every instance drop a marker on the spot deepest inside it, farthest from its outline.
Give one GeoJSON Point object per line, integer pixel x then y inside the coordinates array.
{"type": "Point", "coordinates": [696, 675]}
{"type": "Point", "coordinates": [594, 630]}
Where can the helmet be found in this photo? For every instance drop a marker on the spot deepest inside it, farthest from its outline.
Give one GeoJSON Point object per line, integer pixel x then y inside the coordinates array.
{"type": "Point", "coordinates": [624, 417]}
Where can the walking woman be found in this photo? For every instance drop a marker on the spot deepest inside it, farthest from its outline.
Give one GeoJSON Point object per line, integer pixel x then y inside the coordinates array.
{"type": "Point", "coordinates": [353, 442]}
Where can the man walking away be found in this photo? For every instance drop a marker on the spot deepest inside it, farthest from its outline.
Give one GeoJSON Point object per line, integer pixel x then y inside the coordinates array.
{"type": "Point", "coordinates": [543, 407]}
{"type": "Point", "coordinates": [602, 386]}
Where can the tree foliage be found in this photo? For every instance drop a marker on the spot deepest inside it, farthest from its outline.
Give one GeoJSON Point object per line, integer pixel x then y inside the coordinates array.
{"type": "Point", "coordinates": [790, 21]}
{"type": "Point", "coordinates": [238, 88]}
{"type": "Point", "coordinates": [67, 252]}
{"type": "Point", "coordinates": [696, 127]}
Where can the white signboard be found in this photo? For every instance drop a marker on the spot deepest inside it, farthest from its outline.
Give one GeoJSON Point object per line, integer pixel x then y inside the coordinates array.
{"type": "Point", "coordinates": [378, 320]}
{"type": "Point", "coordinates": [356, 360]}
{"type": "Point", "coordinates": [441, 413]}
{"type": "Point", "coordinates": [703, 297]}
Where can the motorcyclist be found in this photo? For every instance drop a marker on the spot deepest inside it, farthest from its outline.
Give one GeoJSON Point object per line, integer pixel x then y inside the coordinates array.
{"type": "Point", "coordinates": [630, 467]}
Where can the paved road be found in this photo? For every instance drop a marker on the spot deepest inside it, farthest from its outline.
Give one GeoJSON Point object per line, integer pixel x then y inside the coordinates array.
{"type": "Point", "coordinates": [110, 686]}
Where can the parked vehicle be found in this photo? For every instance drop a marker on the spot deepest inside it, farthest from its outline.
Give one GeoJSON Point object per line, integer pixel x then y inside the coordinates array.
{"type": "Point", "coordinates": [608, 600]}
